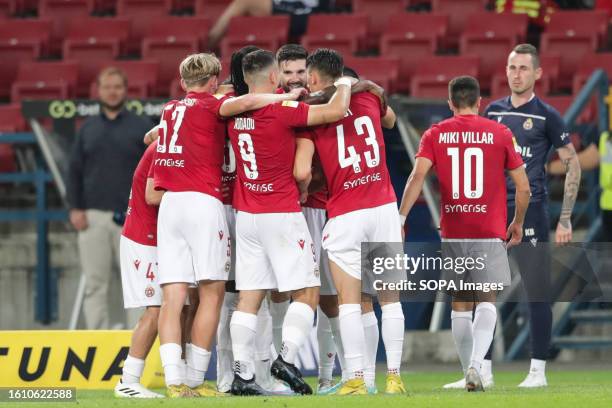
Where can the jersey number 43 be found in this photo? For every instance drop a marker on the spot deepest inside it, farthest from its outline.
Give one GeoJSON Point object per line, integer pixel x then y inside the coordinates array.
{"type": "Point", "coordinates": [363, 125]}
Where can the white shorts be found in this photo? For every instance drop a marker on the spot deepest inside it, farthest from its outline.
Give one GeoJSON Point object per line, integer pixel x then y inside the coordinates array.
{"type": "Point", "coordinates": [139, 276]}
{"type": "Point", "coordinates": [230, 217]}
{"type": "Point", "coordinates": [344, 234]}
{"type": "Point", "coordinates": [315, 219]}
{"type": "Point", "coordinates": [274, 251]}
{"type": "Point", "coordinates": [193, 241]}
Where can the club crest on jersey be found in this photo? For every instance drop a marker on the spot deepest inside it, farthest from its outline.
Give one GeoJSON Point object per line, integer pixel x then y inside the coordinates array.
{"type": "Point", "coordinates": [528, 124]}
{"type": "Point", "coordinates": [137, 263]}
{"type": "Point", "coordinates": [499, 119]}
{"type": "Point", "coordinates": [220, 235]}
{"type": "Point", "coordinates": [301, 243]}
{"type": "Point", "coordinates": [149, 291]}
{"type": "Point", "coordinates": [325, 237]}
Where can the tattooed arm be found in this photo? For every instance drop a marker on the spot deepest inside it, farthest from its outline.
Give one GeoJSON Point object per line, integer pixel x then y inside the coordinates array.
{"type": "Point", "coordinates": [569, 158]}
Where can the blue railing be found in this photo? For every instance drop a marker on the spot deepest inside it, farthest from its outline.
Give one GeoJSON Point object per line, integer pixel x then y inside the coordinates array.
{"type": "Point", "coordinates": [46, 278]}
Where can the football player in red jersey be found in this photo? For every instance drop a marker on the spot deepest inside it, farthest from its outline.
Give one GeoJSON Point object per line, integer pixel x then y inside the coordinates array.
{"type": "Point", "coordinates": [361, 207]}
{"type": "Point", "coordinates": [471, 155]}
{"type": "Point", "coordinates": [263, 339]}
{"type": "Point", "coordinates": [138, 254]}
{"type": "Point", "coordinates": [291, 60]}
{"type": "Point", "coordinates": [188, 166]}
{"type": "Point", "coordinates": [274, 247]}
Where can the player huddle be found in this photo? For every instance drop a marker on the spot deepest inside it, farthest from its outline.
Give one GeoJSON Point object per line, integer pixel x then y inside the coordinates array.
{"type": "Point", "coordinates": [245, 181]}
{"type": "Point", "coordinates": [267, 187]}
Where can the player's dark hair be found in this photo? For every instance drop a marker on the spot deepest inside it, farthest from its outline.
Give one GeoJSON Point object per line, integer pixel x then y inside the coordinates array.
{"type": "Point", "coordinates": [531, 50]}
{"type": "Point", "coordinates": [236, 74]}
{"type": "Point", "coordinates": [291, 52]}
{"type": "Point", "coordinates": [464, 92]}
{"type": "Point", "coordinates": [327, 62]}
{"type": "Point", "coordinates": [350, 72]}
{"type": "Point", "coordinates": [257, 61]}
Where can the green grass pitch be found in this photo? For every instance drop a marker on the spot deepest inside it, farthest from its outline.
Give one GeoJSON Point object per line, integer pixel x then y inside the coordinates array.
{"type": "Point", "coordinates": [575, 389]}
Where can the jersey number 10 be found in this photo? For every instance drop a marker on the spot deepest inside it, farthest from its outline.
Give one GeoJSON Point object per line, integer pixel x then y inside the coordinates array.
{"type": "Point", "coordinates": [469, 154]}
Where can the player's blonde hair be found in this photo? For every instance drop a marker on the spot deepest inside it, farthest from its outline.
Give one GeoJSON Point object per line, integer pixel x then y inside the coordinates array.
{"type": "Point", "coordinates": [197, 69]}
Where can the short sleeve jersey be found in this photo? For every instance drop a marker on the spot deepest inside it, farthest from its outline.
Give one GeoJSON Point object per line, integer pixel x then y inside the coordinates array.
{"type": "Point", "coordinates": [470, 155]}
{"type": "Point", "coordinates": [191, 142]}
{"type": "Point", "coordinates": [353, 157]}
{"type": "Point", "coordinates": [536, 127]}
{"type": "Point", "coordinates": [141, 219]}
{"type": "Point", "coordinates": [264, 143]}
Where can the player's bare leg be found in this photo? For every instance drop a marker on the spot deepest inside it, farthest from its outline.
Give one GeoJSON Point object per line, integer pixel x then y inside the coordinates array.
{"type": "Point", "coordinates": [392, 328]}
{"type": "Point", "coordinates": [279, 303]}
{"type": "Point", "coordinates": [330, 342]}
{"type": "Point", "coordinates": [169, 329]}
{"type": "Point", "coordinates": [203, 334]}
{"type": "Point", "coordinates": [296, 328]}
{"type": "Point", "coordinates": [188, 315]}
{"type": "Point", "coordinates": [351, 329]}
{"type": "Point", "coordinates": [243, 329]}
{"type": "Point", "coordinates": [143, 338]}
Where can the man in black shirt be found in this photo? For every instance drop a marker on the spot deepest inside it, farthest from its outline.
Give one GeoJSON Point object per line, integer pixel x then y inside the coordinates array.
{"type": "Point", "coordinates": [104, 155]}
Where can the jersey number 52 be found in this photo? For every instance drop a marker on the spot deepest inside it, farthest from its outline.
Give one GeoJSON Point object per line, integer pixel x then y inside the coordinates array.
{"type": "Point", "coordinates": [177, 117]}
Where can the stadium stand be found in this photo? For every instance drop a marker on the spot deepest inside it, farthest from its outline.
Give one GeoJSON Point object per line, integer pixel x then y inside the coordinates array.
{"type": "Point", "coordinates": [141, 12]}
{"type": "Point", "coordinates": [174, 28]}
{"type": "Point", "coordinates": [45, 80]}
{"type": "Point", "coordinates": [211, 9]}
{"type": "Point", "coordinates": [574, 34]}
{"type": "Point", "coordinates": [21, 40]}
{"type": "Point", "coordinates": [382, 70]}
{"type": "Point", "coordinates": [61, 12]}
{"type": "Point", "coordinates": [379, 12]}
{"type": "Point", "coordinates": [345, 33]}
{"type": "Point", "coordinates": [10, 121]}
{"type": "Point", "coordinates": [92, 40]}
{"type": "Point", "coordinates": [264, 32]}
{"type": "Point", "coordinates": [490, 36]}
{"type": "Point", "coordinates": [410, 37]}
{"type": "Point", "coordinates": [589, 64]}
{"type": "Point", "coordinates": [431, 77]}
{"type": "Point", "coordinates": [458, 11]}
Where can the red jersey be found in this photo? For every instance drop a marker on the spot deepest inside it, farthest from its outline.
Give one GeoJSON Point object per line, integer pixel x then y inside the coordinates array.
{"type": "Point", "coordinates": [190, 151]}
{"type": "Point", "coordinates": [264, 142]}
{"type": "Point", "coordinates": [352, 153]}
{"type": "Point", "coordinates": [318, 199]}
{"type": "Point", "coordinates": [470, 155]}
{"type": "Point", "coordinates": [141, 219]}
{"type": "Point", "coordinates": [229, 172]}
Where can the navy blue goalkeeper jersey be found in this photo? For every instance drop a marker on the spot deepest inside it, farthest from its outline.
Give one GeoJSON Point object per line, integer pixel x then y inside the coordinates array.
{"type": "Point", "coordinates": [536, 127]}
